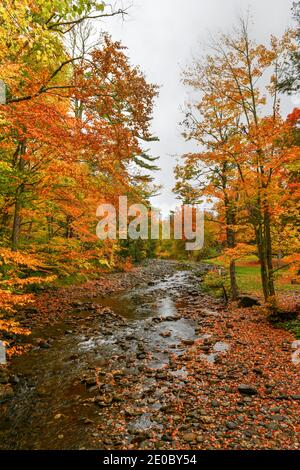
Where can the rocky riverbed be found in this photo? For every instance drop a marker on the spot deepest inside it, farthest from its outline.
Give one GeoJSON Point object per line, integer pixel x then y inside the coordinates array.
{"type": "Point", "coordinates": [147, 360]}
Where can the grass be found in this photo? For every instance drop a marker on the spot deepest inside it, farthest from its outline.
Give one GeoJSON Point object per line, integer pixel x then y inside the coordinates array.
{"type": "Point", "coordinates": [249, 280]}
{"type": "Point", "coordinates": [293, 326]}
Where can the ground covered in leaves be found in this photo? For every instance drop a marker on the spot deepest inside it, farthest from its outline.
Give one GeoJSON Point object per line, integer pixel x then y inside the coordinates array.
{"type": "Point", "coordinates": [147, 360]}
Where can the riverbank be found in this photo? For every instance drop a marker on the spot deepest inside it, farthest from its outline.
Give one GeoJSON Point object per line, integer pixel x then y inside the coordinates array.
{"type": "Point", "coordinates": [147, 360]}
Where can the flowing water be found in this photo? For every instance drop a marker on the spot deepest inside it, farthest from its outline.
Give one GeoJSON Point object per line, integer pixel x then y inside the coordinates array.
{"type": "Point", "coordinates": [51, 406]}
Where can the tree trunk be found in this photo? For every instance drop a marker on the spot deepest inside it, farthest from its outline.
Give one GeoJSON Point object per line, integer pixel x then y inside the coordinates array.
{"type": "Point", "coordinates": [231, 243]}
{"type": "Point", "coordinates": [16, 223]}
{"type": "Point", "coordinates": [16, 229]}
{"type": "Point", "coordinates": [269, 254]}
{"type": "Point", "coordinates": [233, 282]}
{"type": "Point", "coordinates": [262, 254]}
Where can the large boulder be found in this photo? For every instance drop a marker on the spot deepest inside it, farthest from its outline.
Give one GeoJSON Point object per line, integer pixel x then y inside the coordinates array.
{"type": "Point", "coordinates": [246, 301]}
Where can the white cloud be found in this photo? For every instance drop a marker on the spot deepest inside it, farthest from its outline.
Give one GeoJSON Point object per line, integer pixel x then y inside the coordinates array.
{"type": "Point", "coordinates": [162, 36]}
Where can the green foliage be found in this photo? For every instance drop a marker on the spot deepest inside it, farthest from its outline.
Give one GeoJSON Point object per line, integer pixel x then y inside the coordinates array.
{"type": "Point", "coordinates": [292, 325]}
{"type": "Point", "coordinates": [291, 69]}
{"type": "Point", "coordinates": [215, 282]}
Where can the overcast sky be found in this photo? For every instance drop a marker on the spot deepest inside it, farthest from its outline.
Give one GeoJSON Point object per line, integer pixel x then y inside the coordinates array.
{"type": "Point", "coordinates": [162, 36]}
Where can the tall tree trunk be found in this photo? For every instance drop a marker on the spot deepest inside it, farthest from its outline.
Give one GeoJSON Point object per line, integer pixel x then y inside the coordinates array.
{"type": "Point", "coordinates": [17, 222]}
{"type": "Point", "coordinates": [233, 282]}
{"type": "Point", "coordinates": [16, 229]}
{"type": "Point", "coordinates": [261, 245]}
{"type": "Point", "coordinates": [269, 254]}
{"type": "Point", "coordinates": [231, 243]}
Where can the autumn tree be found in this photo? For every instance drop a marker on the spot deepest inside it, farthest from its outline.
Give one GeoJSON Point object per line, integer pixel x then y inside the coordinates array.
{"type": "Point", "coordinates": [73, 133]}
{"type": "Point", "coordinates": [290, 68]}
{"type": "Point", "coordinates": [211, 173]}
{"type": "Point", "coordinates": [257, 146]}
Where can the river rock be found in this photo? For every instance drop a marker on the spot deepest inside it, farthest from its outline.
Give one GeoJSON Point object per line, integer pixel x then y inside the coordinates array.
{"type": "Point", "coordinates": [231, 425]}
{"type": "Point", "coordinates": [189, 437]}
{"type": "Point", "coordinates": [188, 342]}
{"type": "Point", "coordinates": [165, 334]}
{"type": "Point", "coordinates": [247, 389]}
{"type": "Point", "coordinates": [90, 381]}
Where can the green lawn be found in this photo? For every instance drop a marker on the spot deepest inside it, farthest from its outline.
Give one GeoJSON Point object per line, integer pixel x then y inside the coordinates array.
{"type": "Point", "coordinates": [248, 277]}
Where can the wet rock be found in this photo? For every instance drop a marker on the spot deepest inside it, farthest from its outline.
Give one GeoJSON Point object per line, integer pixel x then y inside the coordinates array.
{"type": "Point", "coordinates": [188, 342]}
{"type": "Point", "coordinates": [90, 381]}
{"type": "Point", "coordinates": [130, 337]}
{"type": "Point", "coordinates": [165, 334]}
{"type": "Point", "coordinates": [102, 402]}
{"type": "Point", "coordinates": [172, 318]}
{"type": "Point", "coordinates": [247, 389]}
{"type": "Point", "coordinates": [193, 293]}
{"type": "Point", "coordinates": [141, 356]}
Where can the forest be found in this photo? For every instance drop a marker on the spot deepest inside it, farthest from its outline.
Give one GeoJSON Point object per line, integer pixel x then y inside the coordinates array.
{"type": "Point", "coordinates": [149, 345]}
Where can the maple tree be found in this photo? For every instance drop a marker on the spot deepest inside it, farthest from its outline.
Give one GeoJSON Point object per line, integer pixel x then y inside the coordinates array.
{"type": "Point", "coordinates": [248, 147]}
{"type": "Point", "coordinates": [72, 132]}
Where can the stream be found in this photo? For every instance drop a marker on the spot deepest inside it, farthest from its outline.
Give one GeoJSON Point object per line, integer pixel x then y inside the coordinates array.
{"type": "Point", "coordinates": [111, 360]}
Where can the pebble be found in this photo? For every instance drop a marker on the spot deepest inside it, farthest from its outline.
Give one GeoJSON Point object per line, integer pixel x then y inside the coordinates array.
{"type": "Point", "coordinates": [189, 437]}
{"type": "Point", "coordinates": [231, 425]}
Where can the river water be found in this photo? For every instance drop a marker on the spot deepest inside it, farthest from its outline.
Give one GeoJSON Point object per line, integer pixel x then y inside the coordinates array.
{"type": "Point", "coordinates": [54, 406]}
